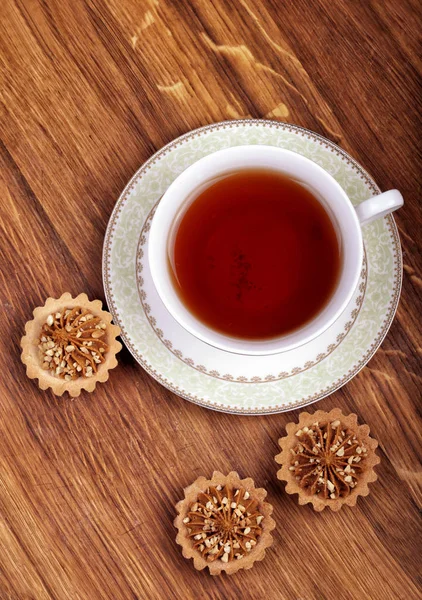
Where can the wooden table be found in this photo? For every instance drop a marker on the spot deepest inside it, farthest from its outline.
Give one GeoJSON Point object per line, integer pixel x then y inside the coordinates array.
{"type": "Point", "coordinates": [87, 487]}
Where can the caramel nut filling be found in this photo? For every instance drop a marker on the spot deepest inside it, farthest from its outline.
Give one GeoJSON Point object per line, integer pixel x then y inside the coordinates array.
{"type": "Point", "coordinates": [72, 343]}
{"type": "Point", "coordinates": [328, 459]}
{"type": "Point", "coordinates": [224, 523]}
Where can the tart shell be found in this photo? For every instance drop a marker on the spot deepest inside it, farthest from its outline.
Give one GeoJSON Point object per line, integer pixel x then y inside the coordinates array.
{"type": "Point", "coordinates": [288, 442]}
{"type": "Point", "coordinates": [191, 494]}
{"type": "Point", "coordinates": [30, 352]}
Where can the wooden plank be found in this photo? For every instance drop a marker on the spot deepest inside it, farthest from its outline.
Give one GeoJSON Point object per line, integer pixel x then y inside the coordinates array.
{"type": "Point", "coordinates": [87, 487]}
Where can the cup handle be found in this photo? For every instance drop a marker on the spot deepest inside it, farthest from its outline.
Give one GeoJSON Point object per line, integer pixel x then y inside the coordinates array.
{"type": "Point", "coordinates": [379, 206]}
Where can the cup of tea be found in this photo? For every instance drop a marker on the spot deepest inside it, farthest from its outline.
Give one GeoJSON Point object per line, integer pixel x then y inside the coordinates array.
{"type": "Point", "coordinates": [257, 250]}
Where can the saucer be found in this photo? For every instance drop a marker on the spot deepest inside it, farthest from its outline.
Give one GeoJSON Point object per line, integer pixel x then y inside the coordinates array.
{"type": "Point", "coordinates": [214, 378]}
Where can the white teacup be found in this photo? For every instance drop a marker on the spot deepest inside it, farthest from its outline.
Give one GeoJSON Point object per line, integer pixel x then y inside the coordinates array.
{"type": "Point", "coordinates": [346, 219]}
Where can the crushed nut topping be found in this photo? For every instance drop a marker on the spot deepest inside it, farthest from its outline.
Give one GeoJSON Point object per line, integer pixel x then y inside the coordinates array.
{"type": "Point", "coordinates": [327, 459]}
{"type": "Point", "coordinates": [71, 343]}
{"type": "Point", "coordinates": [224, 523]}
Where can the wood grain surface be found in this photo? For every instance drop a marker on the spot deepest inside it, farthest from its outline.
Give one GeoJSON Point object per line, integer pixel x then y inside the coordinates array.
{"type": "Point", "coordinates": [90, 89]}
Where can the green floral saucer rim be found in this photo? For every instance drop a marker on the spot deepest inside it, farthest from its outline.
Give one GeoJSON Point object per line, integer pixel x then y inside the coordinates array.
{"type": "Point", "coordinates": [120, 265]}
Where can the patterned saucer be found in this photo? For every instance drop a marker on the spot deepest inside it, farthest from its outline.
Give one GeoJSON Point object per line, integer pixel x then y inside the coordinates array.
{"type": "Point", "coordinates": [214, 378]}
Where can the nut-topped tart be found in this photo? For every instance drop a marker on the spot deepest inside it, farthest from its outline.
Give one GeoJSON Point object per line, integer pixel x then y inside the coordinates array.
{"type": "Point", "coordinates": [224, 523]}
{"type": "Point", "coordinates": [70, 344]}
{"type": "Point", "coordinates": [328, 459]}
